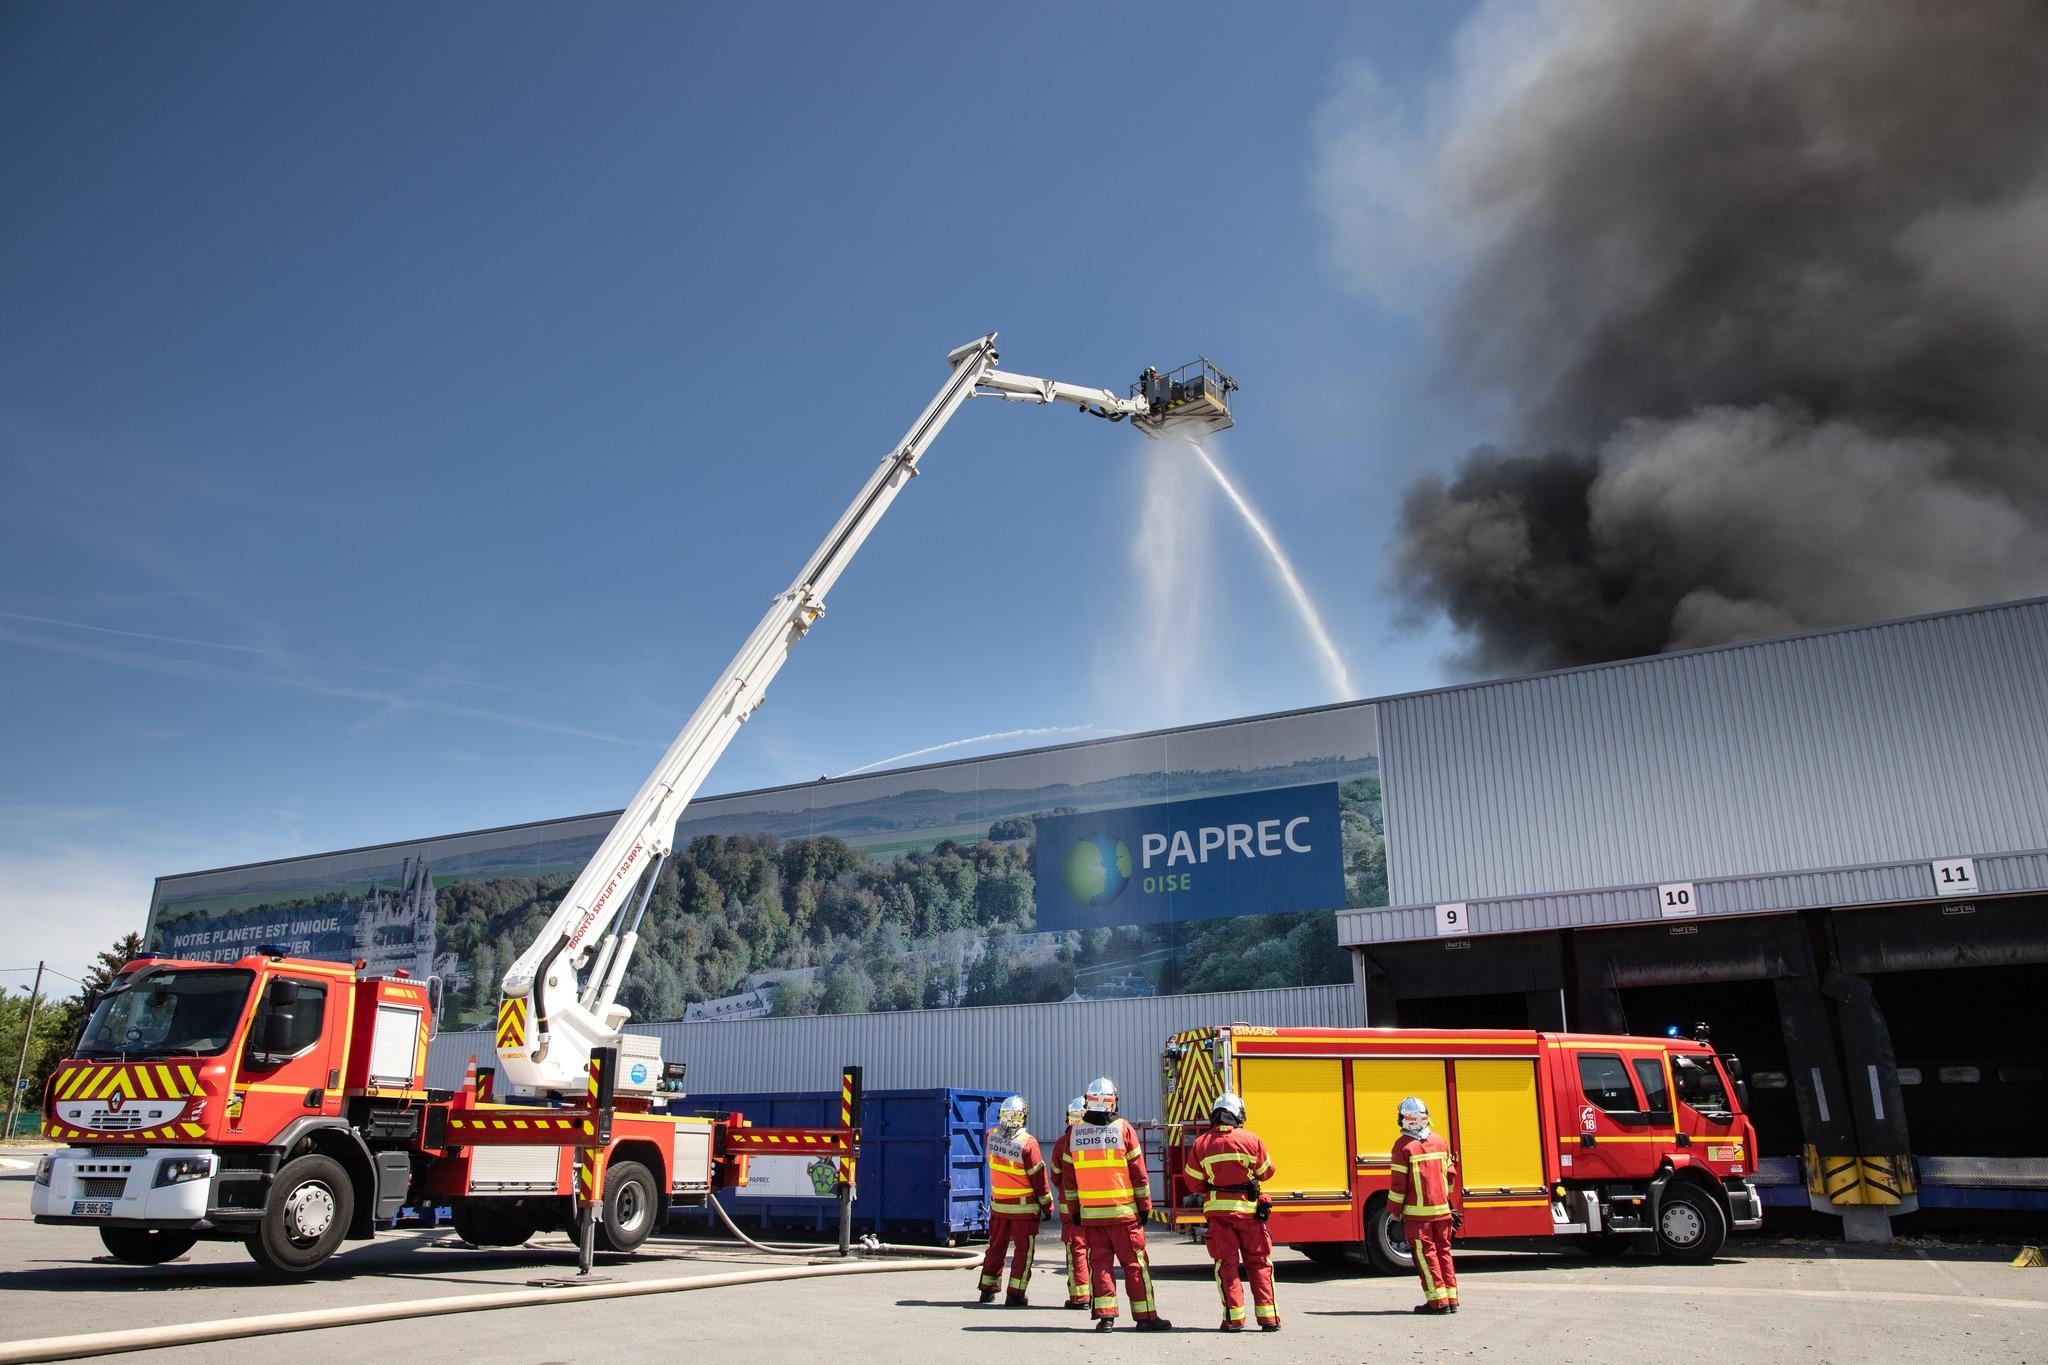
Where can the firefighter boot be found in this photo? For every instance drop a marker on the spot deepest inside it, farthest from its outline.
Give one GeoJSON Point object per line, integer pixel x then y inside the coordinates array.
{"type": "Point", "coordinates": [1015, 1300]}
{"type": "Point", "coordinates": [988, 1296]}
{"type": "Point", "coordinates": [1154, 1325]}
{"type": "Point", "coordinates": [1105, 1324]}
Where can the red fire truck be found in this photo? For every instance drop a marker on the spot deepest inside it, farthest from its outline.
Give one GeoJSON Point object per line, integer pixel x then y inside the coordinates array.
{"type": "Point", "coordinates": [1614, 1141]}
{"type": "Point", "coordinates": [282, 1102]}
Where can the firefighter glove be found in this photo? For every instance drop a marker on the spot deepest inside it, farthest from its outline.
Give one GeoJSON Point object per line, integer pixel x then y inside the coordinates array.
{"type": "Point", "coordinates": [1263, 1209]}
{"type": "Point", "coordinates": [1144, 1208]}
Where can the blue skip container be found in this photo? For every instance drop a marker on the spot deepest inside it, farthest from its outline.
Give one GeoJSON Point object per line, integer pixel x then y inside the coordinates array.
{"type": "Point", "coordinates": [923, 1164]}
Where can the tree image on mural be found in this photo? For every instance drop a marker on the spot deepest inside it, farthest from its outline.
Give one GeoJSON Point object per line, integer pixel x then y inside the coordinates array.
{"type": "Point", "coordinates": [904, 906]}
{"type": "Point", "coordinates": [814, 926]}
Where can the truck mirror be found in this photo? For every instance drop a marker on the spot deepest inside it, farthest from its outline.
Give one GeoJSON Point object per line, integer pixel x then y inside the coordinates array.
{"type": "Point", "coordinates": [1742, 1094]}
{"type": "Point", "coordinates": [284, 992]}
{"type": "Point", "coordinates": [275, 1035]}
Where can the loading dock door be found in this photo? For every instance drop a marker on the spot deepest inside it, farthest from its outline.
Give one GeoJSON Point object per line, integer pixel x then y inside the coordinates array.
{"type": "Point", "coordinates": [1499, 1140]}
{"type": "Point", "coordinates": [1377, 1089]}
{"type": "Point", "coordinates": [1297, 1106]}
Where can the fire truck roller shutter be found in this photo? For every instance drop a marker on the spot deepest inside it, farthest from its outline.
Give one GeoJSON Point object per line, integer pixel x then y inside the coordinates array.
{"type": "Point", "coordinates": [1378, 1086]}
{"type": "Point", "coordinates": [1499, 1139]}
{"type": "Point", "coordinates": [1297, 1106]}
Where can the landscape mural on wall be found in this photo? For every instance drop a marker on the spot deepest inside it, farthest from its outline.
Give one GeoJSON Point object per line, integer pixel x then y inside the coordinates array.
{"type": "Point", "coordinates": [1189, 860]}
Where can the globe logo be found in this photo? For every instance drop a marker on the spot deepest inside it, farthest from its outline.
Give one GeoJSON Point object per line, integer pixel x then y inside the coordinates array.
{"type": "Point", "coordinates": [1097, 869]}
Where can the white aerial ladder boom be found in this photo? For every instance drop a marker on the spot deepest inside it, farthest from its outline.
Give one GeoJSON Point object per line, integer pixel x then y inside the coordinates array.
{"type": "Point", "coordinates": [550, 1016]}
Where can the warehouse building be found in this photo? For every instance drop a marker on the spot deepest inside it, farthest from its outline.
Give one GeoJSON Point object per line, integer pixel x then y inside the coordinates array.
{"type": "Point", "coordinates": [1830, 848]}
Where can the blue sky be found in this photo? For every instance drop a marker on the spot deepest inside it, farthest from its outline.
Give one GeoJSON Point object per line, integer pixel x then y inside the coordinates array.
{"type": "Point", "coordinates": [405, 411]}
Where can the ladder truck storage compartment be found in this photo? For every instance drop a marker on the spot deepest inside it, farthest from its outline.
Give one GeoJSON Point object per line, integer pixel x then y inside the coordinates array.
{"type": "Point", "coordinates": [1613, 1141]}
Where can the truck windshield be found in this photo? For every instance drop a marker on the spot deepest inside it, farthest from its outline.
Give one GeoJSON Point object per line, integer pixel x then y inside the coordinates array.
{"type": "Point", "coordinates": [169, 1013]}
{"type": "Point", "coordinates": [1699, 1085]}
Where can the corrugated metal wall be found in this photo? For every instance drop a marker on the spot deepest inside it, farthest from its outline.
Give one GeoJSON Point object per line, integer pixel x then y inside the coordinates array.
{"type": "Point", "coordinates": [1046, 1053]}
{"type": "Point", "coordinates": [1877, 745]}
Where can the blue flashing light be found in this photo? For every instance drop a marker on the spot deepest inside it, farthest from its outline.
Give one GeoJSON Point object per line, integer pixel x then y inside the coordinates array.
{"type": "Point", "coordinates": [1671, 1030]}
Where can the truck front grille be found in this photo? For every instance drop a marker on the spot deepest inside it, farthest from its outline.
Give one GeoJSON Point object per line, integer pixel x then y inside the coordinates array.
{"type": "Point", "coordinates": [102, 1187]}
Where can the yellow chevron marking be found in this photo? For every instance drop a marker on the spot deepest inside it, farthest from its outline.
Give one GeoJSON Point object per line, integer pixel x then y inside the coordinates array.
{"type": "Point", "coordinates": [189, 1075]}
{"type": "Point", "coordinates": [147, 1082]}
{"type": "Point", "coordinates": [72, 1081]}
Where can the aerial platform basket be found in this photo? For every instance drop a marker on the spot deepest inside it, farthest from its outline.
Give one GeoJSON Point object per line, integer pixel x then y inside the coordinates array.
{"type": "Point", "coordinates": [1188, 403]}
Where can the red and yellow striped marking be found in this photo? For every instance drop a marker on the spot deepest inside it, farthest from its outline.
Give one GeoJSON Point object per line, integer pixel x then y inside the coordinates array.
{"type": "Point", "coordinates": [468, 1125]}
{"type": "Point", "coordinates": [827, 1140]}
{"type": "Point", "coordinates": [846, 1121]}
{"type": "Point", "coordinates": [512, 1023]}
{"type": "Point", "coordinates": [1197, 1079]}
{"type": "Point", "coordinates": [590, 1164]}
{"type": "Point", "coordinates": [169, 1132]}
{"type": "Point", "coordinates": [135, 1081]}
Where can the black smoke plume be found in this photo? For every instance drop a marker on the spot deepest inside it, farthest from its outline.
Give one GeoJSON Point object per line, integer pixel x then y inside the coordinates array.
{"type": "Point", "coordinates": [1765, 283]}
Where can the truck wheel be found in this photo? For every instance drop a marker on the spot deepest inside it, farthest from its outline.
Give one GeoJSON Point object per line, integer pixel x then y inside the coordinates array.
{"type": "Point", "coordinates": [1385, 1251]}
{"type": "Point", "coordinates": [492, 1223]}
{"type": "Point", "coordinates": [146, 1246]}
{"type": "Point", "coordinates": [1690, 1225]}
{"type": "Point", "coordinates": [306, 1216]}
{"type": "Point", "coordinates": [630, 1206]}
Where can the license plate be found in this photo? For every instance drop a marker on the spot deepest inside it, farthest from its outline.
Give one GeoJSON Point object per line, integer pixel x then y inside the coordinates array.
{"type": "Point", "coordinates": [92, 1208]}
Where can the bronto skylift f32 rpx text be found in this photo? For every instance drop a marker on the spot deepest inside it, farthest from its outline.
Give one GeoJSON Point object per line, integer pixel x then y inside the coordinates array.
{"type": "Point", "coordinates": [282, 1102]}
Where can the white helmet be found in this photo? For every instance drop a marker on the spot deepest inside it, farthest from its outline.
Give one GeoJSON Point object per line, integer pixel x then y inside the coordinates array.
{"type": "Point", "coordinates": [1100, 1098]}
{"type": "Point", "coordinates": [1414, 1117]}
{"type": "Point", "coordinates": [1010, 1115]}
{"type": "Point", "coordinates": [1076, 1107]}
{"type": "Point", "coordinates": [1228, 1108]}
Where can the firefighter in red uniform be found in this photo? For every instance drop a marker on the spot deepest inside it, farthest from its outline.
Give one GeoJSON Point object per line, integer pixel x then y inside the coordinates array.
{"type": "Point", "coordinates": [1425, 1172]}
{"type": "Point", "coordinates": [1018, 1198]}
{"type": "Point", "coordinates": [1227, 1165]}
{"type": "Point", "coordinates": [1072, 1238]}
{"type": "Point", "coordinates": [1105, 1180]}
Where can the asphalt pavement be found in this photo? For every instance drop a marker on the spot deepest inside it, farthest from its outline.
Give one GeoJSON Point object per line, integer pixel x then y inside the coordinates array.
{"type": "Point", "coordinates": [1781, 1299]}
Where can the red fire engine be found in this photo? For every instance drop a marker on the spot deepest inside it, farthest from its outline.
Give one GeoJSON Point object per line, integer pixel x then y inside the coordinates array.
{"type": "Point", "coordinates": [282, 1102]}
{"type": "Point", "coordinates": [1612, 1140]}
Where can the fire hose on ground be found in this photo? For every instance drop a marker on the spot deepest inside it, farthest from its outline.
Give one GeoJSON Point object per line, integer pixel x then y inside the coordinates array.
{"type": "Point", "coordinates": [898, 1258]}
